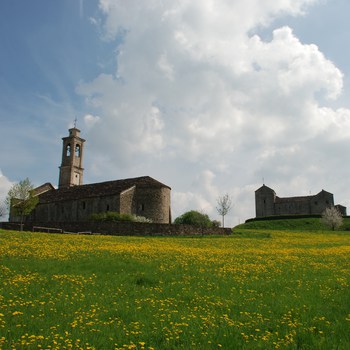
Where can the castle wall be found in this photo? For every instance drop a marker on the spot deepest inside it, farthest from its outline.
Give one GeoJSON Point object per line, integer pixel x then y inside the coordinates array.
{"type": "Point", "coordinates": [268, 204]}
{"type": "Point", "coordinates": [341, 209]}
{"type": "Point", "coordinates": [297, 207]}
{"type": "Point", "coordinates": [321, 201]}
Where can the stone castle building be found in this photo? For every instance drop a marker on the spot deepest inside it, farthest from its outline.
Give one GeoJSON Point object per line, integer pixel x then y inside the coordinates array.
{"type": "Point", "coordinates": [268, 204]}
{"type": "Point", "coordinates": [74, 201]}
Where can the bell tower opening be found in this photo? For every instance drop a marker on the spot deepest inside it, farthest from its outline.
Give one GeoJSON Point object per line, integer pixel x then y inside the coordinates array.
{"type": "Point", "coordinates": [71, 169]}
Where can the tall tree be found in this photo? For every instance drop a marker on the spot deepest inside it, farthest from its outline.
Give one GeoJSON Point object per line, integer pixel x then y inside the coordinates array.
{"type": "Point", "coordinates": [224, 206]}
{"type": "Point", "coordinates": [21, 199]}
{"type": "Point", "coordinates": [332, 218]}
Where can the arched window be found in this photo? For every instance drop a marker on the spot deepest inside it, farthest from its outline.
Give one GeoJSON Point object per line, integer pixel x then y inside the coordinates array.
{"type": "Point", "coordinates": [68, 150]}
{"type": "Point", "coordinates": [77, 150]}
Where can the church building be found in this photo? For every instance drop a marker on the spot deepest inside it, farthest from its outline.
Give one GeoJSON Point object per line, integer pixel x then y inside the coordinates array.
{"type": "Point", "coordinates": [73, 201]}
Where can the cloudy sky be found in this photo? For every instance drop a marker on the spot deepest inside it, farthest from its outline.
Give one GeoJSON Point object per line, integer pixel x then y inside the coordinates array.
{"type": "Point", "coordinates": [209, 97]}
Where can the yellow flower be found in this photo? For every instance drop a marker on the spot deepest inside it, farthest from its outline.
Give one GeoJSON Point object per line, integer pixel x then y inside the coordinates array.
{"type": "Point", "coordinates": [15, 313]}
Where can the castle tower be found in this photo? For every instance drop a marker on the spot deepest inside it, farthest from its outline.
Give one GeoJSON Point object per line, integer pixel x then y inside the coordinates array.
{"type": "Point", "coordinates": [71, 170]}
{"type": "Point", "coordinates": [265, 201]}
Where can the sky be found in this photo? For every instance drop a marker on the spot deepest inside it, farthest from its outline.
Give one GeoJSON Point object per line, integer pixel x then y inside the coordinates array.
{"type": "Point", "coordinates": [209, 97]}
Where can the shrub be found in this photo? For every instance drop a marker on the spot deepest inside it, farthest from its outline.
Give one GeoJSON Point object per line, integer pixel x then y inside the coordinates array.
{"type": "Point", "coordinates": [194, 218]}
{"type": "Point", "coordinates": [115, 216]}
{"type": "Point", "coordinates": [137, 218]}
{"type": "Point", "coordinates": [111, 216]}
{"type": "Point", "coordinates": [216, 223]}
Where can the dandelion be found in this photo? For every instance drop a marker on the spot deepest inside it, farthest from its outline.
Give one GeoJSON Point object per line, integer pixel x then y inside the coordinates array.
{"type": "Point", "coordinates": [15, 313]}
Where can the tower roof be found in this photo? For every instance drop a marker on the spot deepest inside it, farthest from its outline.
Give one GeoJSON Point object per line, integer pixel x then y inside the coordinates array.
{"type": "Point", "coordinates": [264, 187]}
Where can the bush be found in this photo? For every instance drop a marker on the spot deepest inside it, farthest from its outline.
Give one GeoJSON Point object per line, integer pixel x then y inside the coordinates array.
{"type": "Point", "coordinates": [194, 218]}
{"type": "Point", "coordinates": [137, 218]}
{"type": "Point", "coordinates": [111, 216]}
{"type": "Point", "coordinates": [216, 223]}
{"type": "Point", "coordinates": [115, 216]}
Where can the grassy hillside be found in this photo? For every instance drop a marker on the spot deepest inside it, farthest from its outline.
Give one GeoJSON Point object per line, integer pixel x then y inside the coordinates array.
{"type": "Point", "coordinates": [282, 290]}
{"type": "Point", "coordinates": [303, 224]}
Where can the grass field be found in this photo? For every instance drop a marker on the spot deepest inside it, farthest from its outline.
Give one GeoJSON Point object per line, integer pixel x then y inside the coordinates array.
{"type": "Point", "coordinates": [263, 289]}
{"type": "Point", "coordinates": [296, 224]}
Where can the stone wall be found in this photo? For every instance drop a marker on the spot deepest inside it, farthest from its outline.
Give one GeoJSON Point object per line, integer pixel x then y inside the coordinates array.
{"type": "Point", "coordinates": [150, 202]}
{"type": "Point", "coordinates": [154, 203]}
{"type": "Point", "coordinates": [119, 228]}
{"type": "Point", "coordinates": [127, 202]}
{"type": "Point", "coordinates": [292, 207]}
{"type": "Point", "coordinates": [74, 210]}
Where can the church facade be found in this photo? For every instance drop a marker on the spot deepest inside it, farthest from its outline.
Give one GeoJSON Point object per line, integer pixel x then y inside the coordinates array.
{"type": "Point", "coordinates": [268, 204]}
{"type": "Point", "coordinates": [73, 201]}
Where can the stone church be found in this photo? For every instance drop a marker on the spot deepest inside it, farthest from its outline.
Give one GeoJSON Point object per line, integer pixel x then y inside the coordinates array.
{"type": "Point", "coordinates": [74, 201]}
{"type": "Point", "coordinates": [268, 204]}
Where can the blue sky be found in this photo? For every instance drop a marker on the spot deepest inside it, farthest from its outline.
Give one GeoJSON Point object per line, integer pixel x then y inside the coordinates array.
{"type": "Point", "coordinates": [209, 98]}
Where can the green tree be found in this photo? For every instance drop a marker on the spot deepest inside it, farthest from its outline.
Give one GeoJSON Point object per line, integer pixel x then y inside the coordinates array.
{"type": "Point", "coordinates": [332, 218]}
{"type": "Point", "coordinates": [21, 199]}
{"type": "Point", "coordinates": [224, 206]}
{"type": "Point", "coordinates": [194, 218]}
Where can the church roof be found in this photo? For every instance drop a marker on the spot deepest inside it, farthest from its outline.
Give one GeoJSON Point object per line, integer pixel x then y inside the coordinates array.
{"type": "Point", "coordinates": [99, 189]}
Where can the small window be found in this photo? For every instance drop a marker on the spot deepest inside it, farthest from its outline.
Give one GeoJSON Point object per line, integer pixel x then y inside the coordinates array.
{"type": "Point", "coordinates": [107, 207]}
{"type": "Point", "coordinates": [68, 150]}
{"type": "Point", "coordinates": [141, 207]}
{"type": "Point", "coordinates": [77, 150]}
{"type": "Point", "coordinates": [84, 205]}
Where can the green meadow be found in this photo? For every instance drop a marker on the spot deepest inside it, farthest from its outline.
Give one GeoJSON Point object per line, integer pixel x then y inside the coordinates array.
{"type": "Point", "coordinates": [259, 288]}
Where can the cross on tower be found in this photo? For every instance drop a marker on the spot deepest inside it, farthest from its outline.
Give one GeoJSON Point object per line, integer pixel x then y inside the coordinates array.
{"type": "Point", "coordinates": [75, 122]}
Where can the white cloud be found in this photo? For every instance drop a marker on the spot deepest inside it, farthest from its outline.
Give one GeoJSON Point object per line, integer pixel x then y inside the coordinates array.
{"type": "Point", "coordinates": [91, 120]}
{"type": "Point", "coordinates": [197, 91]}
{"type": "Point", "coordinates": [5, 185]}
{"type": "Point", "coordinates": [202, 196]}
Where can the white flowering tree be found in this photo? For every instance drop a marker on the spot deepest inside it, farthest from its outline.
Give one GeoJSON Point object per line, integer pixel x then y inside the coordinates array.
{"type": "Point", "coordinates": [224, 204]}
{"type": "Point", "coordinates": [332, 218]}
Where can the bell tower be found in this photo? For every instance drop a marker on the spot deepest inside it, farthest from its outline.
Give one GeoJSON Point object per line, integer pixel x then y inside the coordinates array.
{"type": "Point", "coordinates": [71, 170]}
